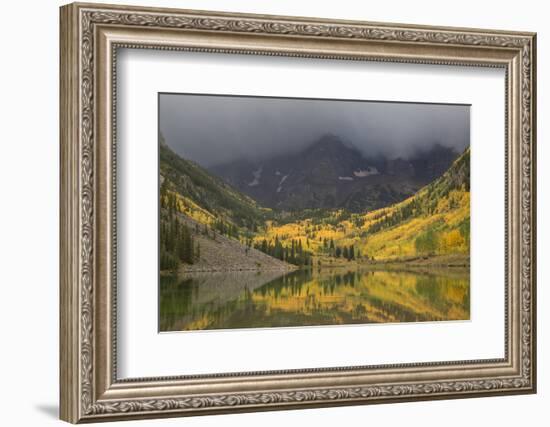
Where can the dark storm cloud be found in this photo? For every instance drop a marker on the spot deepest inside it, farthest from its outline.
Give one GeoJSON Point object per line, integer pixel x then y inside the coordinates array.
{"type": "Point", "coordinates": [217, 129]}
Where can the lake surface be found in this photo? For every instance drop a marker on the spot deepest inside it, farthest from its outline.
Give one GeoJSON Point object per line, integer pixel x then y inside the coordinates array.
{"type": "Point", "coordinates": [312, 297]}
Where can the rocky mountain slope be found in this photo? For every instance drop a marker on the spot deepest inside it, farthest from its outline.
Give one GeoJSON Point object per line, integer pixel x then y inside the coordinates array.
{"type": "Point", "coordinates": [332, 174]}
{"type": "Point", "coordinates": [210, 194]}
{"type": "Point", "coordinates": [223, 254]}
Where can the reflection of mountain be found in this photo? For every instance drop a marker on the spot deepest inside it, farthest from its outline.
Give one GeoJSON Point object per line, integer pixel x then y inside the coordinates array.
{"type": "Point", "coordinates": [220, 287]}
{"type": "Point", "coordinates": [330, 174]}
{"type": "Point", "coordinates": [312, 297]}
{"type": "Point", "coordinates": [230, 257]}
{"type": "Point", "coordinates": [188, 298]}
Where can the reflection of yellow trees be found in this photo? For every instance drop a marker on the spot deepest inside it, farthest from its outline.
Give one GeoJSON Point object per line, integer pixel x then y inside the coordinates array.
{"type": "Point", "coordinates": [320, 297]}
{"type": "Point", "coordinates": [201, 322]}
{"type": "Point", "coordinates": [378, 296]}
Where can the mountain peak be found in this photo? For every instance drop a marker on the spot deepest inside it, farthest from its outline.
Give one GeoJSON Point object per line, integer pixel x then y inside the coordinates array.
{"type": "Point", "coordinates": [332, 173]}
{"type": "Point", "coordinates": [434, 149]}
{"type": "Point", "coordinates": [329, 143]}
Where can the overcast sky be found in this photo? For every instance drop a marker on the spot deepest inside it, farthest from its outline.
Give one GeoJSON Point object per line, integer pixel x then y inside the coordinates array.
{"type": "Point", "coordinates": [217, 129]}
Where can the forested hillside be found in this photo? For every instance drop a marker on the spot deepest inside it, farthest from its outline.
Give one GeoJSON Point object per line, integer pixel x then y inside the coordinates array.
{"type": "Point", "coordinates": [207, 193]}
{"type": "Point", "coordinates": [196, 205]}
{"type": "Point", "coordinates": [435, 221]}
{"type": "Point", "coordinates": [206, 243]}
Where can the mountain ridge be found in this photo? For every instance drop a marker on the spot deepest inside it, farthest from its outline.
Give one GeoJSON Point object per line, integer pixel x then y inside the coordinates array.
{"type": "Point", "coordinates": [433, 221]}
{"type": "Point", "coordinates": [208, 192]}
{"type": "Point", "coordinates": [332, 174]}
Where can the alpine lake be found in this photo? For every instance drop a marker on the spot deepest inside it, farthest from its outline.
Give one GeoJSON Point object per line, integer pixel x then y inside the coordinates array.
{"type": "Point", "coordinates": [310, 297]}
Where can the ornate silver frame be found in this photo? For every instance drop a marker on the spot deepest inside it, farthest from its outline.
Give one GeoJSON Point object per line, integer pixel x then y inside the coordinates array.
{"type": "Point", "coordinates": [90, 36]}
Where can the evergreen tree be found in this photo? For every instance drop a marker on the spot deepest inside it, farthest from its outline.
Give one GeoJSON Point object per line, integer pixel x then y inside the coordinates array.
{"type": "Point", "coordinates": [188, 243]}
{"type": "Point", "coordinates": [198, 251]}
{"type": "Point", "coordinates": [163, 192]}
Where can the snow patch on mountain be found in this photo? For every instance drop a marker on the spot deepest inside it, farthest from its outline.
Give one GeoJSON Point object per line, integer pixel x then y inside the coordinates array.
{"type": "Point", "coordinates": [257, 174]}
{"type": "Point", "coordinates": [345, 178]}
{"type": "Point", "coordinates": [280, 187]}
{"type": "Point", "coordinates": [362, 173]}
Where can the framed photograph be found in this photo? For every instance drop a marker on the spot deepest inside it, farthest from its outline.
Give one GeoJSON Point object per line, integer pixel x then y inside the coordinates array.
{"type": "Point", "coordinates": [265, 212]}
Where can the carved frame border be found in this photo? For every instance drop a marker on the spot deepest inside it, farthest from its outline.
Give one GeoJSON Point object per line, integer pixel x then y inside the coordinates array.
{"type": "Point", "coordinates": [81, 399]}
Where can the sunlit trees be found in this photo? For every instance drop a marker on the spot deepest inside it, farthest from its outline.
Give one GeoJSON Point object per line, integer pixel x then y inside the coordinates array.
{"type": "Point", "coordinates": [452, 241]}
{"type": "Point", "coordinates": [426, 243]}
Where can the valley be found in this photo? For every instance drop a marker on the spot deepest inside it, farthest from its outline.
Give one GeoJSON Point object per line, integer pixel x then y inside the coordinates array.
{"type": "Point", "coordinates": [289, 212]}
{"type": "Point", "coordinates": [232, 231]}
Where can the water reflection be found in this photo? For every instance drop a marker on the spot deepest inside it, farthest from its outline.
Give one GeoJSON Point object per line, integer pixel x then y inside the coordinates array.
{"type": "Point", "coordinates": [312, 297]}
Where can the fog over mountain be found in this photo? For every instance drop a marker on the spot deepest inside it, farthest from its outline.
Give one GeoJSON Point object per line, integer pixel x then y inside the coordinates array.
{"type": "Point", "coordinates": [211, 130]}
